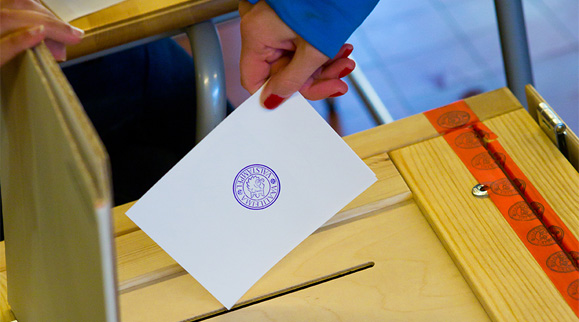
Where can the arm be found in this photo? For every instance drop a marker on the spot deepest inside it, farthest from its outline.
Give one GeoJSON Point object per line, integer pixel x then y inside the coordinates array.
{"type": "Point", "coordinates": [324, 24]}
{"type": "Point", "coordinates": [299, 59]}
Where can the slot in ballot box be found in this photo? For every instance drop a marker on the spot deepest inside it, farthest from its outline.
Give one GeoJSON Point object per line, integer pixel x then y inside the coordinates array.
{"type": "Point", "coordinates": [416, 246]}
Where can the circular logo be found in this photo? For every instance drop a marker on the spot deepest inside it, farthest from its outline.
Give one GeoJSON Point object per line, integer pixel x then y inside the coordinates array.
{"type": "Point", "coordinates": [484, 161]}
{"type": "Point", "coordinates": [539, 236]}
{"type": "Point", "coordinates": [467, 140]}
{"type": "Point", "coordinates": [453, 119]}
{"type": "Point", "coordinates": [256, 187]}
{"type": "Point", "coordinates": [559, 262]}
{"type": "Point", "coordinates": [503, 187]}
{"type": "Point", "coordinates": [521, 211]}
{"type": "Point", "coordinates": [573, 291]}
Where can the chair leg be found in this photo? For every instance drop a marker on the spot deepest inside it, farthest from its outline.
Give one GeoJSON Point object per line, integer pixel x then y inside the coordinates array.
{"type": "Point", "coordinates": [210, 77]}
{"type": "Point", "coordinates": [513, 37]}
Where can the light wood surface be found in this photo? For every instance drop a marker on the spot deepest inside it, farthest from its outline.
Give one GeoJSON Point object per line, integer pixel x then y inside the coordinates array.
{"type": "Point", "coordinates": [399, 242]}
{"type": "Point", "coordinates": [132, 20]}
{"type": "Point", "coordinates": [413, 277]}
{"type": "Point", "coordinates": [547, 169]}
{"type": "Point", "coordinates": [417, 128]}
{"type": "Point", "coordinates": [54, 183]}
{"type": "Point", "coordinates": [506, 278]}
{"type": "Point", "coordinates": [5, 310]}
{"type": "Point", "coordinates": [142, 261]}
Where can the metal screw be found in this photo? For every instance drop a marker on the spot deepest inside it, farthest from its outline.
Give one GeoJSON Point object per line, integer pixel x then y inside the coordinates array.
{"type": "Point", "coordinates": [480, 191]}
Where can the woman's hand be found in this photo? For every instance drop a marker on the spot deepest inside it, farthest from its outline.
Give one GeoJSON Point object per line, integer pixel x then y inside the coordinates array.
{"type": "Point", "coordinates": [271, 50]}
{"type": "Point", "coordinates": [25, 23]}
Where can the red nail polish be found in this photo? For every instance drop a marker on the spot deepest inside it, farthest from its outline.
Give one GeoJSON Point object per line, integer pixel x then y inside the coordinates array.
{"type": "Point", "coordinates": [347, 52]}
{"type": "Point", "coordinates": [337, 94]}
{"type": "Point", "coordinates": [272, 101]}
{"type": "Point", "coordinates": [345, 72]}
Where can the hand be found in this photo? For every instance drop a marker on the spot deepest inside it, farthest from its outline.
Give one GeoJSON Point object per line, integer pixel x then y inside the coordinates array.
{"type": "Point", "coordinates": [271, 50]}
{"type": "Point", "coordinates": [25, 23]}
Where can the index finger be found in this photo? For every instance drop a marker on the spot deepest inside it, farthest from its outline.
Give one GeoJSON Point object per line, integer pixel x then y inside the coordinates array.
{"type": "Point", "coordinates": [254, 69]}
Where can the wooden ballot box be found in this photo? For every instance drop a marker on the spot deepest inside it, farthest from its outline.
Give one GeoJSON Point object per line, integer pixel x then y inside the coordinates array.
{"type": "Point", "coordinates": [418, 245]}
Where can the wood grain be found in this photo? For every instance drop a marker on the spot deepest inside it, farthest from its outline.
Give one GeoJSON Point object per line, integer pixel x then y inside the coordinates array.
{"type": "Point", "coordinates": [413, 279]}
{"type": "Point", "coordinates": [5, 310]}
{"type": "Point", "coordinates": [141, 261]}
{"type": "Point", "coordinates": [547, 169]}
{"type": "Point", "coordinates": [132, 20]}
{"type": "Point", "coordinates": [503, 274]}
{"type": "Point", "coordinates": [417, 128]}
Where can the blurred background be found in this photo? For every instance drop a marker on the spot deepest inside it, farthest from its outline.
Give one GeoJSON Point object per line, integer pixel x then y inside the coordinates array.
{"type": "Point", "coordinates": [422, 54]}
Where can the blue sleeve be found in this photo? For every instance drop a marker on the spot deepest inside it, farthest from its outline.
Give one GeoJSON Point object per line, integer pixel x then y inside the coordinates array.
{"type": "Point", "coordinates": [325, 24]}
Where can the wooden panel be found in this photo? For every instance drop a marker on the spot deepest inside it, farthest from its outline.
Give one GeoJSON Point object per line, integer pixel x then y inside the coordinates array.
{"type": "Point", "coordinates": [56, 199]}
{"type": "Point", "coordinates": [417, 128]}
{"type": "Point", "coordinates": [132, 20]}
{"type": "Point", "coordinates": [504, 275]}
{"type": "Point", "coordinates": [141, 261]}
{"type": "Point", "coordinates": [413, 279]}
{"type": "Point", "coordinates": [5, 311]}
{"type": "Point", "coordinates": [540, 160]}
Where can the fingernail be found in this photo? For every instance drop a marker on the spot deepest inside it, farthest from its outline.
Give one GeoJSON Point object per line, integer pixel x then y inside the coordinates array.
{"type": "Point", "coordinates": [272, 101]}
{"type": "Point", "coordinates": [36, 30]}
{"type": "Point", "coordinates": [337, 94]}
{"type": "Point", "coordinates": [347, 52]}
{"type": "Point", "coordinates": [77, 31]}
{"type": "Point", "coordinates": [345, 72]}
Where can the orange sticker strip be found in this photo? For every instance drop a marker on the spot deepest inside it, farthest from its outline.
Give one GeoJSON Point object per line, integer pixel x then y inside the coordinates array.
{"type": "Point", "coordinates": [539, 228]}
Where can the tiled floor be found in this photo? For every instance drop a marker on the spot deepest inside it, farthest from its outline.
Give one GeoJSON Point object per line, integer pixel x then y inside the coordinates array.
{"type": "Point", "coordinates": [421, 54]}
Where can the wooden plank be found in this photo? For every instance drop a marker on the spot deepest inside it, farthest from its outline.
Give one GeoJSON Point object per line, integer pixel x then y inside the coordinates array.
{"type": "Point", "coordinates": [547, 169]}
{"type": "Point", "coordinates": [55, 196]}
{"type": "Point", "coordinates": [413, 279]}
{"type": "Point", "coordinates": [141, 261]}
{"type": "Point", "coordinates": [508, 281]}
{"type": "Point", "coordinates": [132, 20]}
{"type": "Point", "coordinates": [417, 128]}
{"type": "Point", "coordinates": [5, 310]}
{"type": "Point", "coordinates": [494, 103]}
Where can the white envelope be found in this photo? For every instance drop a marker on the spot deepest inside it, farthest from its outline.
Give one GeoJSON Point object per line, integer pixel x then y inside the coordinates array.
{"type": "Point", "coordinates": [250, 192]}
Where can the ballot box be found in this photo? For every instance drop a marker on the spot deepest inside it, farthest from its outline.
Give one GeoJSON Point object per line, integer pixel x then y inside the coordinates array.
{"type": "Point", "coordinates": [474, 217]}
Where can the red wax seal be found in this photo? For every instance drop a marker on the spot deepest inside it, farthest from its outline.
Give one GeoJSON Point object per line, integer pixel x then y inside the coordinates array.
{"type": "Point", "coordinates": [453, 119]}
{"type": "Point", "coordinates": [467, 140]}
{"type": "Point", "coordinates": [521, 211]}
{"type": "Point", "coordinates": [539, 236]}
{"type": "Point", "coordinates": [483, 161]}
{"type": "Point", "coordinates": [559, 262]}
{"type": "Point", "coordinates": [573, 291]}
{"type": "Point", "coordinates": [503, 187]}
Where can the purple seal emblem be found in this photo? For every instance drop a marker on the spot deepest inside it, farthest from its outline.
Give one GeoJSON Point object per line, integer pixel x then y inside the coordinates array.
{"type": "Point", "coordinates": [256, 187]}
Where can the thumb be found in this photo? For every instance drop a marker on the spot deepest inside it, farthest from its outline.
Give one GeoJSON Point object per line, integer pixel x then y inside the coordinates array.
{"type": "Point", "coordinates": [292, 77]}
